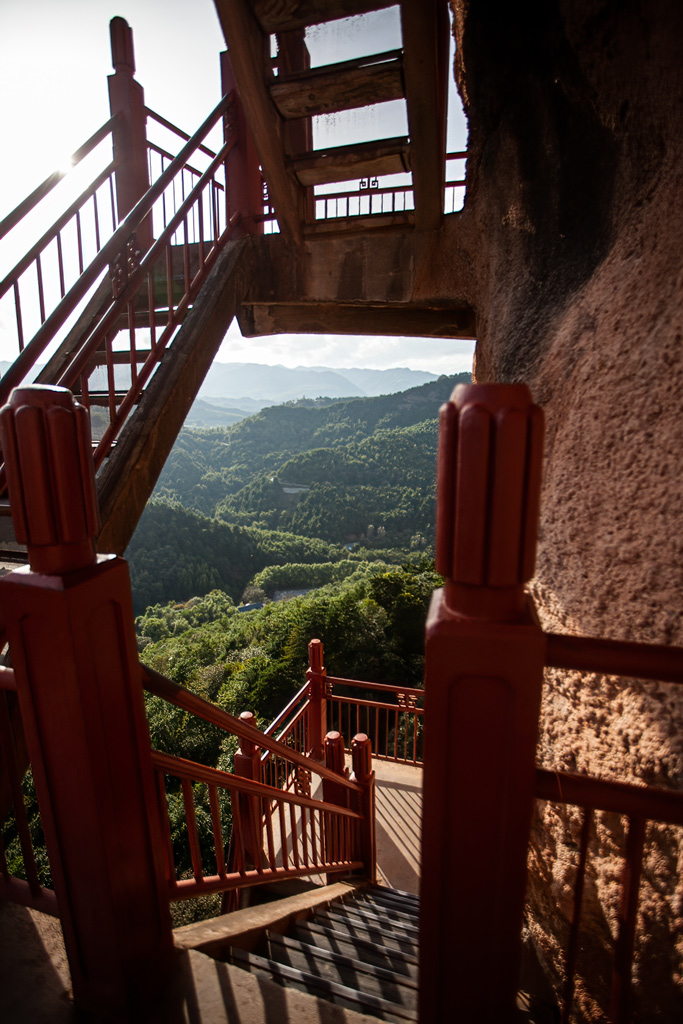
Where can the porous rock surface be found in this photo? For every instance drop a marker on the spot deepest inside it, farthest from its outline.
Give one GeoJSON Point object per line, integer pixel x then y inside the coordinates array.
{"type": "Point", "coordinates": [575, 179]}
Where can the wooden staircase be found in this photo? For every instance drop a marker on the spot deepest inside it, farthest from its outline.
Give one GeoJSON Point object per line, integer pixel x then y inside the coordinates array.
{"type": "Point", "coordinates": [360, 953]}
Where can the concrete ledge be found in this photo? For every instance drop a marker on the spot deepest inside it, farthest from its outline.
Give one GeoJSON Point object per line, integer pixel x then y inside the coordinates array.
{"type": "Point", "coordinates": [243, 928]}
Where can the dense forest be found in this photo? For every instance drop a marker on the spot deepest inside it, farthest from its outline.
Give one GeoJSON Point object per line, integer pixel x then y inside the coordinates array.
{"type": "Point", "coordinates": [307, 483]}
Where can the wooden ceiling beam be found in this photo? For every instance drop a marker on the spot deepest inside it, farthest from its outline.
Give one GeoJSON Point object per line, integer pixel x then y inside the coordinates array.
{"type": "Point", "coordinates": [419, 321]}
{"type": "Point", "coordinates": [246, 47]}
{"type": "Point", "coordinates": [426, 43]}
{"type": "Point", "coordinates": [282, 15]}
{"type": "Point", "coordinates": [328, 90]}
{"type": "Point", "coordinates": [342, 163]}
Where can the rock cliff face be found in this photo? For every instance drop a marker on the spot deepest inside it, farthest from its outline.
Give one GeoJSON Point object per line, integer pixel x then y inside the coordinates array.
{"type": "Point", "coordinates": [575, 186]}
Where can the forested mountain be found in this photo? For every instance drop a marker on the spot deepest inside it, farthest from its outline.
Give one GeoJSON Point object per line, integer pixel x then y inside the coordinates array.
{"type": "Point", "coordinates": [206, 466]}
{"type": "Point", "coordinates": [293, 486]}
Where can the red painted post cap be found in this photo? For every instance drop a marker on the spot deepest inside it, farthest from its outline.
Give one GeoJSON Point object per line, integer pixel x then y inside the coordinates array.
{"type": "Point", "coordinates": [122, 51]}
{"type": "Point", "coordinates": [361, 756]}
{"type": "Point", "coordinates": [334, 752]}
{"type": "Point", "coordinates": [316, 653]}
{"type": "Point", "coordinates": [489, 482]}
{"type": "Point", "coordinates": [51, 478]}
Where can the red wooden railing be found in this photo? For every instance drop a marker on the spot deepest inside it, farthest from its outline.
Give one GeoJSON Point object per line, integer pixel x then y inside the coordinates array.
{"type": "Point", "coordinates": [280, 834]}
{"type": "Point", "coordinates": [103, 792]}
{"type": "Point", "coordinates": [485, 661]}
{"type": "Point", "coordinates": [390, 715]}
{"type": "Point", "coordinates": [30, 890]}
{"type": "Point", "coordinates": [40, 281]}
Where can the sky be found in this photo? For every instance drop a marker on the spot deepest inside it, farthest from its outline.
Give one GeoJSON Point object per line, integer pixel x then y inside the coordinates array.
{"type": "Point", "coordinates": [54, 62]}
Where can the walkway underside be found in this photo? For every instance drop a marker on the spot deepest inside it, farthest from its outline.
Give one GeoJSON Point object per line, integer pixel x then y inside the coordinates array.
{"type": "Point", "coordinates": [393, 282]}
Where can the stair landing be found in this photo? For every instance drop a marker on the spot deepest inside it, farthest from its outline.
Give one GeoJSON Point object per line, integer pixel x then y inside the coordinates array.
{"type": "Point", "coordinates": [398, 798]}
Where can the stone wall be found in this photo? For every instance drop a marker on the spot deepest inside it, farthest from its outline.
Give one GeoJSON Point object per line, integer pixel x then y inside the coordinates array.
{"type": "Point", "coordinates": [575, 199]}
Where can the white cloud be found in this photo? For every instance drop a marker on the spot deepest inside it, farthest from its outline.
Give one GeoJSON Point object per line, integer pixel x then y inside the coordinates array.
{"type": "Point", "coordinates": [437, 355]}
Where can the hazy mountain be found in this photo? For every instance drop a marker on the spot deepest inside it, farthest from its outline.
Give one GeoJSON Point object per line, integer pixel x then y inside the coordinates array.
{"type": "Point", "coordinates": [232, 382]}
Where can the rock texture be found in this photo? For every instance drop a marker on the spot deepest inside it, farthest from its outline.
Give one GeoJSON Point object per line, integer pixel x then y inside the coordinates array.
{"type": "Point", "coordinates": [575, 178]}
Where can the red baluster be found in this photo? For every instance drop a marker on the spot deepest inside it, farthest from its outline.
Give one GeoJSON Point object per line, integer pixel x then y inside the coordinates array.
{"type": "Point", "coordinates": [70, 626]}
{"type": "Point", "coordinates": [316, 674]}
{"type": "Point", "coordinates": [484, 667]}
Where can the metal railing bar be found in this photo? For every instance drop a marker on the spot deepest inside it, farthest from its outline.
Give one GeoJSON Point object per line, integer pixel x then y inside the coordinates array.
{"type": "Point", "coordinates": [27, 204]}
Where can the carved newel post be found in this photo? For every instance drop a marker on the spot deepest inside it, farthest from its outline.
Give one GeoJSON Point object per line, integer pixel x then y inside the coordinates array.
{"type": "Point", "coordinates": [127, 105]}
{"type": "Point", "coordinates": [484, 666]}
{"type": "Point", "coordinates": [70, 626]}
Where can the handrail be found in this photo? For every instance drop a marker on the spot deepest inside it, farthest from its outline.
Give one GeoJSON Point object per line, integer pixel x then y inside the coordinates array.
{"type": "Point", "coordinates": [73, 371]}
{"type": "Point", "coordinates": [28, 258]}
{"type": "Point", "coordinates": [169, 156]}
{"type": "Point", "coordinates": [378, 705]}
{"type": "Point", "coordinates": [100, 263]}
{"type": "Point", "coordinates": [271, 729]}
{"type": "Point", "coordinates": [650, 802]}
{"type": "Point", "coordinates": [160, 686]}
{"type": "Point", "coordinates": [361, 684]}
{"type": "Point", "coordinates": [615, 657]}
{"type": "Point", "coordinates": [174, 128]}
{"type": "Point", "coordinates": [32, 200]}
{"type": "Point", "coordinates": [184, 768]}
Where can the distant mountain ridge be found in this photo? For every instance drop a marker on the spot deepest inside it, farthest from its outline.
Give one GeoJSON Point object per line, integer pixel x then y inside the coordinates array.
{"type": "Point", "coordinates": [234, 390]}
{"type": "Point", "coordinates": [279, 384]}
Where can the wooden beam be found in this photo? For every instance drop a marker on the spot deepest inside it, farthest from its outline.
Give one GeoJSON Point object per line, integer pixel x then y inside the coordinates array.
{"type": "Point", "coordinates": [328, 91]}
{"type": "Point", "coordinates": [370, 222]}
{"type": "Point", "coordinates": [420, 321]}
{"type": "Point", "coordinates": [281, 15]}
{"type": "Point", "coordinates": [246, 46]}
{"type": "Point", "coordinates": [426, 40]}
{"type": "Point", "coordinates": [342, 163]}
{"type": "Point", "coordinates": [129, 475]}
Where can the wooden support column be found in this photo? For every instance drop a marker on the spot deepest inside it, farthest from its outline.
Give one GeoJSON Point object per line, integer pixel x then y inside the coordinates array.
{"type": "Point", "coordinates": [244, 183]}
{"type": "Point", "coordinates": [70, 626]}
{"type": "Point", "coordinates": [484, 671]}
{"type": "Point", "coordinates": [127, 103]}
{"type": "Point", "coordinates": [316, 674]}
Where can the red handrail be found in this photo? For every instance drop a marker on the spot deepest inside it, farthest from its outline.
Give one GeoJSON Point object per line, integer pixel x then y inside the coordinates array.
{"type": "Point", "coordinates": [44, 189]}
{"type": "Point", "coordinates": [34, 349]}
{"type": "Point", "coordinates": [160, 686]}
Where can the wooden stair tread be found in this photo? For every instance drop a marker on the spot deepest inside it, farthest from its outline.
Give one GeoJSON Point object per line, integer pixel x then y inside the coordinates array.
{"type": "Point", "coordinates": [336, 87]}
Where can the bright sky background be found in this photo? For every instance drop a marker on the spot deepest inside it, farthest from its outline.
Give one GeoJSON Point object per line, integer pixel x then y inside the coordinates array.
{"type": "Point", "coordinates": [54, 61]}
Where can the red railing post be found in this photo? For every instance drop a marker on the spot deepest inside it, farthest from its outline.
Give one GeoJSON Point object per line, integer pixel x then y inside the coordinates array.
{"type": "Point", "coordinates": [248, 766]}
{"type": "Point", "coordinates": [127, 102]}
{"type": "Point", "coordinates": [316, 674]}
{"type": "Point", "coordinates": [334, 793]}
{"type": "Point", "coordinates": [484, 672]}
{"type": "Point", "coordinates": [361, 762]}
{"type": "Point", "coordinates": [70, 627]}
{"type": "Point", "coordinates": [243, 180]}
